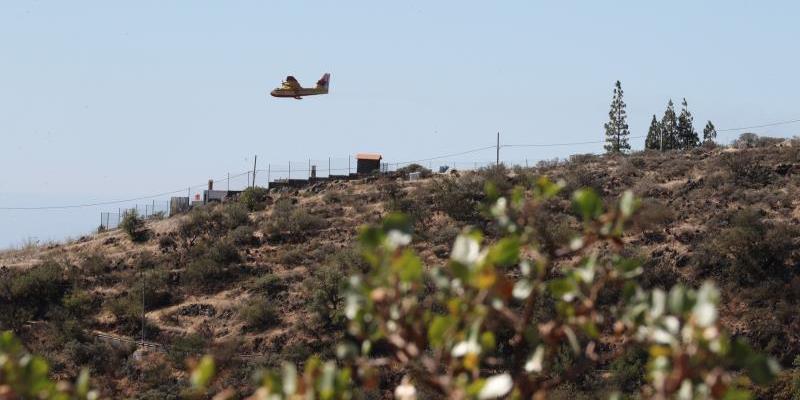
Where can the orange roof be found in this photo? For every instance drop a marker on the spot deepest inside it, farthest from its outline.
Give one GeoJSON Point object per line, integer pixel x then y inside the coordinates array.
{"type": "Point", "coordinates": [368, 156]}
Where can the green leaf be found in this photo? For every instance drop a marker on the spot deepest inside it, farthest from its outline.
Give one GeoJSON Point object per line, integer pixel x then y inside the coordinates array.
{"type": "Point", "coordinates": [627, 204]}
{"type": "Point", "coordinates": [505, 252]}
{"type": "Point", "coordinates": [587, 203]}
{"type": "Point", "coordinates": [397, 221]}
{"type": "Point", "coordinates": [562, 288]}
{"type": "Point", "coordinates": [761, 369]}
{"type": "Point", "coordinates": [488, 340]}
{"type": "Point", "coordinates": [202, 375]}
{"type": "Point", "coordinates": [737, 394]}
{"type": "Point", "coordinates": [439, 328]}
{"type": "Point", "coordinates": [289, 379]}
{"type": "Point", "coordinates": [408, 266]}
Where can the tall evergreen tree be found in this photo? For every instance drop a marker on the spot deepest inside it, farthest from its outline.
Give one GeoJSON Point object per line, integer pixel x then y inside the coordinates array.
{"type": "Point", "coordinates": [653, 141]}
{"type": "Point", "coordinates": [669, 128]}
{"type": "Point", "coordinates": [687, 136]}
{"type": "Point", "coordinates": [709, 133]}
{"type": "Point", "coordinates": [617, 127]}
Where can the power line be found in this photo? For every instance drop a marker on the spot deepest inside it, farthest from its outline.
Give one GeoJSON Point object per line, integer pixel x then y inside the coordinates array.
{"type": "Point", "coordinates": [791, 121]}
{"type": "Point", "coordinates": [562, 144]}
{"type": "Point", "coordinates": [106, 203]}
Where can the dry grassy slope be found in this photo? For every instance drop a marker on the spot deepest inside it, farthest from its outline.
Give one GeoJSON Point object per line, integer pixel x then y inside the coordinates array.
{"type": "Point", "coordinates": [687, 198]}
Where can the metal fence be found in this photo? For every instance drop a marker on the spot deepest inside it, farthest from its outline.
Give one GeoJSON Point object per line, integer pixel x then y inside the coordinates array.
{"type": "Point", "coordinates": [153, 210]}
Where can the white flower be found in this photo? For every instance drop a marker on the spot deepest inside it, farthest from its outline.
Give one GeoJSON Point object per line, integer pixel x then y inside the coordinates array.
{"type": "Point", "coordinates": [466, 250]}
{"type": "Point", "coordinates": [397, 239]}
{"type": "Point", "coordinates": [405, 390]}
{"type": "Point", "coordinates": [534, 364]}
{"type": "Point", "coordinates": [465, 347]}
{"type": "Point", "coordinates": [496, 386]}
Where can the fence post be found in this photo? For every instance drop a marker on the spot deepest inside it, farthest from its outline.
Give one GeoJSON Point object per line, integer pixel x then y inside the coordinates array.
{"type": "Point", "coordinates": [497, 162]}
{"type": "Point", "coordinates": [255, 160]}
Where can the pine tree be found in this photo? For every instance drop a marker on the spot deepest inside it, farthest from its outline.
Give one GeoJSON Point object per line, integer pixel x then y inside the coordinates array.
{"type": "Point", "coordinates": [617, 127]}
{"type": "Point", "coordinates": [669, 128]}
{"type": "Point", "coordinates": [687, 136]}
{"type": "Point", "coordinates": [709, 133]}
{"type": "Point", "coordinates": [653, 140]}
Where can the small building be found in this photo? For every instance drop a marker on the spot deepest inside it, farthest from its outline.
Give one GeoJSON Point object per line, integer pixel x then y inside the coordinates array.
{"type": "Point", "coordinates": [367, 163]}
{"type": "Point", "coordinates": [217, 196]}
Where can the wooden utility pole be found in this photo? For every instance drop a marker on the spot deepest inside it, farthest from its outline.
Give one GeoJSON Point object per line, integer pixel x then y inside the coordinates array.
{"type": "Point", "coordinates": [497, 161]}
{"type": "Point", "coordinates": [290, 172]}
{"type": "Point", "coordinates": [329, 167]}
{"type": "Point", "coordinates": [269, 173]}
{"type": "Point", "coordinates": [229, 181]}
{"type": "Point", "coordinates": [255, 160]}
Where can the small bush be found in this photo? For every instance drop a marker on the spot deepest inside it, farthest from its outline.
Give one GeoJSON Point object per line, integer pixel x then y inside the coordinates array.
{"type": "Point", "coordinates": [133, 225]}
{"type": "Point", "coordinates": [166, 243]}
{"type": "Point", "coordinates": [750, 140]}
{"type": "Point", "coordinates": [235, 215]}
{"type": "Point", "coordinates": [326, 287]}
{"type": "Point", "coordinates": [332, 197]}
{"type": "Point", "coordinates": [205, 273]}
{"type": "Point", "coordinates": [259, 313]}
{"type": "Point", "coordinates": [746, 169]}
{"type": "Point", "coordinates": [289, 220]}
{"type": "Point", "coordinates": [254, 198]}
{"type": "Point", "coordinates": [459, 197]}
{"type": "Point", "coordinates": [628, 371]}
{"type": "Point", "coordinates": [749, 249]}
{"type": "Point", "coordinates": [30, 294]}
{"type": "Point", "coordinates": [423, 172]}
{"type": "Point", "coordinates": [269, 285]}
{"type": "Point", "coordinates": [224, 253]}
{"type": "Point", "coordinates": [243, 236]}
{"type": "Point", "coordinates": [95, 264]}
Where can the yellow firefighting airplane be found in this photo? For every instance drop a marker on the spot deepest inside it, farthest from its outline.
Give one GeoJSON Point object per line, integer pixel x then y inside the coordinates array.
{"type": "Point", "coordinates": [291, 88]}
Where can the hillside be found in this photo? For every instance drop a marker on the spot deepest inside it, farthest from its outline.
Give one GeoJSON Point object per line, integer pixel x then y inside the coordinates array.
{"type": "Point", "coordinates": [259, 282]}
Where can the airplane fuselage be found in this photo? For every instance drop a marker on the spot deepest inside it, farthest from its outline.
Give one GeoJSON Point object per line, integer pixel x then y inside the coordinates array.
{"type": "Point", "coordinates": [281, 92]}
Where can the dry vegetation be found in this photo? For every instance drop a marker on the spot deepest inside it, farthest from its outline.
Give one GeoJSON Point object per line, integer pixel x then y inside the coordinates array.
{"type": "Point", "coordinates": [259, 282]}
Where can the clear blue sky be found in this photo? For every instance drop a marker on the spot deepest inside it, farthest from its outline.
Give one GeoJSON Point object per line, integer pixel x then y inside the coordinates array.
{"type": "Point", "coordinates": [100, 101]}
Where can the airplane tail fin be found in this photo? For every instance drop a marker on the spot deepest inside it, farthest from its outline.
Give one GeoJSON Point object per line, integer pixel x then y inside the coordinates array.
{"type": "Point", "coordinates": [323, 82]}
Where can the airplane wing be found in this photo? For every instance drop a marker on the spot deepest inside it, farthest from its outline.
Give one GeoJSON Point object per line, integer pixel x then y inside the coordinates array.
{"type": "Point", "coordinates": [291, 83]}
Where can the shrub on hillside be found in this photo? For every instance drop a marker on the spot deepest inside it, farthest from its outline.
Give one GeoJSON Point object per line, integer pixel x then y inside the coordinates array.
{"type": "Point", "coordinates": [459, 197]}
{"type": "Point", "coordinates": [133, 225]}
{"type": "Point", "coordinates": [326, 296]}
{"type": "Point", "coordinates": [289, 220]}
{"type": "Point", "coordinates": [254, 198]}
{"type": "Point", "coordinates": [269, 285]}
{"type": "Point", "coordinates": [423, 172]}
{"type": "Point", "coordinates": [750, 140]}
{"type": "Point", "coordinates": [326, 287]}
{"type": "Point", "coordinates": [30, 294]}
{"type": "Point", "coordinates": [259, 313]}
{"type": "Point", "coordinates": [243, 236]}
{"type": "Point", "coordinates": [212, 222]}
{"type": "Point", "coordinates": [95, 264]}
{"type": "Point", "coordinates": [749, 249]}
{"type": "Point", "coordinates": [205, 273]}
{"type": "Point", "coordinates": [746, 169]}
